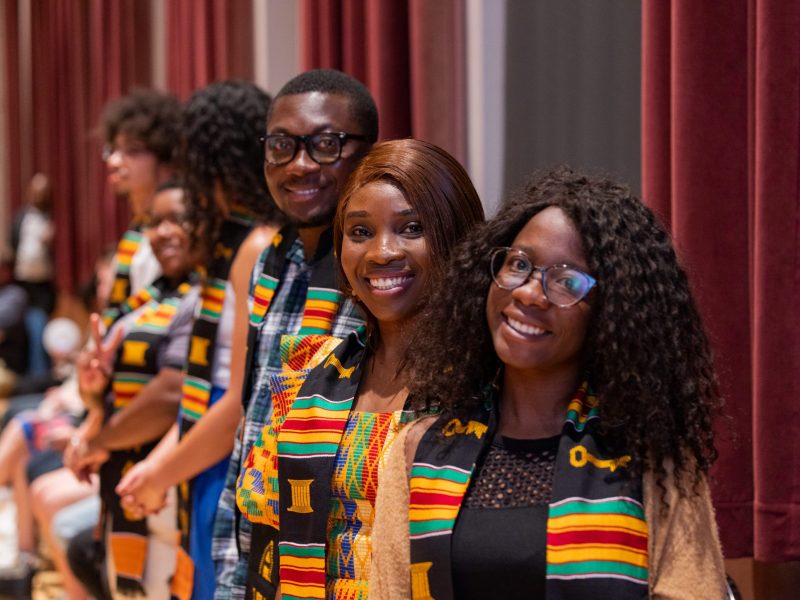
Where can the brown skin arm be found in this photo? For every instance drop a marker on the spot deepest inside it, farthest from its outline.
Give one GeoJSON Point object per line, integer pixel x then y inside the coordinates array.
{"type": "Point", "coordinates": [212, 438]}
{"type": "Point", "coordinates": [148, 417]}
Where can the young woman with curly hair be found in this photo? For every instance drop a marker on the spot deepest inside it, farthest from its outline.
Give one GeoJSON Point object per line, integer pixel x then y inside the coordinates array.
{"type": "Point", "coordinates": [575, 386]}
{"type": "Point", "coordinates": [228, 197]}
{"type": "Point", "coordinates": [310, 481]}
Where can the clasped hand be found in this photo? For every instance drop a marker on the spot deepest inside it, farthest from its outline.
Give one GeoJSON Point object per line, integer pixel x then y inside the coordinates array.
{"type": "Point", "coordinates": [140, 493]}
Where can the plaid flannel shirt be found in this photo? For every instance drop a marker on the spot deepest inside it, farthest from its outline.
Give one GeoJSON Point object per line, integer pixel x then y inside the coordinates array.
{"type": "Point", "coordinates": [229, 551]}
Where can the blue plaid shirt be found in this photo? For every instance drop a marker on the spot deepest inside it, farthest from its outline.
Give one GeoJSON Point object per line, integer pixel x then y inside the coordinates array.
{"type": "Point", "coordinates": [284, 317]}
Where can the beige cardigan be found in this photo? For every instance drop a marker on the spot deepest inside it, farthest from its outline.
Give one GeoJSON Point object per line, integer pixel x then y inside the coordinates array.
{"type": "Point", "coordinates": [683, 544]}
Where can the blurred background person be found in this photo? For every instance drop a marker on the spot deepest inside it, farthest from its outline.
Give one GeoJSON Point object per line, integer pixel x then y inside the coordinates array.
{"type": "Point", "coordinates": [141, 133]}
{"type": "Point", "coordinates": [32, 239]}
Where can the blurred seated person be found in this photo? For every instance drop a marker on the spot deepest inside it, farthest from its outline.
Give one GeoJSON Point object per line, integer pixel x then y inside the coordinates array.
{"type": "Point", "coordinates": [39, 427]}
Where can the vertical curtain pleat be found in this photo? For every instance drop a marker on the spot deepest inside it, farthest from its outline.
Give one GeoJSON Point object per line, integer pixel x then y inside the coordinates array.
{"type": "Point", "coordinates": [387, 53]}
{"type": "Point", "coordinates": [409, 53]}
{"type": "Point", "coordinates": [83, 53]}
{"type": "Point", "coordinates": [776, 278]}
{"type": "Point", "coordinates": [11, 54]}
{"type": "Point", "coordinates": [207, 41]}
{"type": "Point", "coordinates": [438, 73]}
{"type": "Point", "coordinates": [656, 101]}
{"type": "Point", "coordinates": [721, 160]}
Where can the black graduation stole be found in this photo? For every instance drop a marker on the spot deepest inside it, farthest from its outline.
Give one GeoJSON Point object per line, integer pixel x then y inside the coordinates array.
{"type": "Point", "coordinates": [323, 297]}
{"type": "Point", "coordinates": [121, 289]}
{"type": "Point", "coordinates": [596, 528]}
{"type": "Point", "coordinates": [309, 433]}
{"type": "Point", "coordinates": [196, 390]}
{"type": "Point", "coordinates": [135, 365]}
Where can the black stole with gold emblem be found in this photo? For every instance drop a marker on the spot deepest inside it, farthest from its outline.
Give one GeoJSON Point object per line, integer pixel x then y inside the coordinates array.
{"type": "Point", "coordinates": [196, 391]}
{"type": "Point", "coordinates": [309, 435]}
{"type": "Point", "coordinates": [136, 363]}
{"type": "Point", "coordinates": [596, 529]}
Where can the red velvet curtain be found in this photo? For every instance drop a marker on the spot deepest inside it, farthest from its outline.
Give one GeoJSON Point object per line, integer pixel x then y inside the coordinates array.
{"type": "Point", "coordinates": [721, 163]}
{"type": "Point", "coordinates": [207, 41]}
{"type": "Point", "coordinates": [83, 53]}
{"type": "Point", "coordinates": [11, 53]}
{"type": "Point", "coordinates": [409, 53]}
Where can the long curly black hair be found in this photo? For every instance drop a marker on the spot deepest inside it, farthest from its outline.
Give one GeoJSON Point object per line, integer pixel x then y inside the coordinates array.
{"type": "Point", "coordinates": [646, 350]}
{"type": "Point", "coordinates": [222, 124]}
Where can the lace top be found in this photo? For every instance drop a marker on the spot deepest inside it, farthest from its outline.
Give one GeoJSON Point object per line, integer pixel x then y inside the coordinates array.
{"type": "Point", "coordinates": [499, 541]}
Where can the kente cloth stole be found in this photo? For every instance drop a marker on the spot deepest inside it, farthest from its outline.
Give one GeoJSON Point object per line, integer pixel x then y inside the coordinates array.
{"type": "Point", "coordinates": [323, 298]}
{"type": "Point", "coordinates": [196, 390]}
{"type": "Point", "coordinates": [135, 365]}
{"type": "Point", "coordinates": [121, 290]}
{"type": "Point", "coordinates": [309, 432]}
{"type": "Point", "coordinates": [257, 485]}
{"type": "Point", "coordinates": [596, 529]}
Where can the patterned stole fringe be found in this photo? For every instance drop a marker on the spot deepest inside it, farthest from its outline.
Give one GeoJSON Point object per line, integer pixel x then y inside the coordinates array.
{"type": "Point", "coordinates": [196, 390]}
{"type": "Point", "coordinates": [596, 529]}
{"type": "Point", "coordinates": [134, 367]}
{"type": "Point", "coordinates": [121, 289]}
{"type": "Point", "coordinates": [322, 297]}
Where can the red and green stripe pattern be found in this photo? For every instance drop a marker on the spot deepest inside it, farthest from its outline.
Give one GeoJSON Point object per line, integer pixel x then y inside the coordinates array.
{"type": "Point", "coordinates": [157, 317]}
{"type": "Point", "coordinates": [128, 245]}
{"type": "Point", "coordinates": [435, 497]}
{"type": "Point", "coordinates": [195, 394]}
{"type": "Point", "coordinates": [597, 539]}
{"type": "Point", "coordinates": [583, 408]}
{"type": "Point", "coordinates": [211, 300]}
{"type": "Point", "coordinates": [321, 307]}
{"type": "Point", "coordinates": [314, 427]}
{"type": "Point", "coordinates": [126, 386]}
{"type": "Point", "coordinates": [302, 571]}
{"type": "Point", "coordinates": [262, 296]}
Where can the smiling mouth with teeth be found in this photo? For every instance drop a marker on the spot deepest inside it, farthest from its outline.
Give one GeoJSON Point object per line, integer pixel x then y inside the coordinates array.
{"type": "Point", "coordinates": [388, 283]}
{"type": "Point", "coordinates": [524, 328]}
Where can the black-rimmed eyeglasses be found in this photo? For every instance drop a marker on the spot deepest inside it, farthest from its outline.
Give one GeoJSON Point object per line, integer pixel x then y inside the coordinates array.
{"type": "Point", "coordinates": [563, 285]}
{"type": "Point", "coordinates": [323, 148]}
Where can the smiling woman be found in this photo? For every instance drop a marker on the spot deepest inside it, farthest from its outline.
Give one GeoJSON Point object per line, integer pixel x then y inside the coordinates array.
{"type": "Point", "coordinates": [169, 233]}
{"type": "Point", "coordinates": [403, 210]}
{"type": "Point", "coordinates": [384, 253]}
{"type": "Point", "coordinates": [570, 455]}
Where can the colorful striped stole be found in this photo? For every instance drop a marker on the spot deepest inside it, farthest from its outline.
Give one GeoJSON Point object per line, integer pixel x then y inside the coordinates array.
{"type": "Point", "coordinates": [290, 546]}
{"type": "Point", "coordinates": [200, 361]}
{"type": "Point", "coordinates": [135, 365]}
{"type": "Point", "coordinates": [596, 529]}
{"type": "Point", "coordinates": [257, 486]}
{"type": "Point", "coordinates": [196, 389]}
{"type": "Point", "coordinates": [142, 297]}
{"type": "Point", "coordinates": [322, 303]}
{"type": "Point", "coordinates": [121, 288]}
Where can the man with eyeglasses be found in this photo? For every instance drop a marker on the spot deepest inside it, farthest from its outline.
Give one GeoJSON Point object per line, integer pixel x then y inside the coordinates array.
{"type": "Point", "coordinates": [320, 125]}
